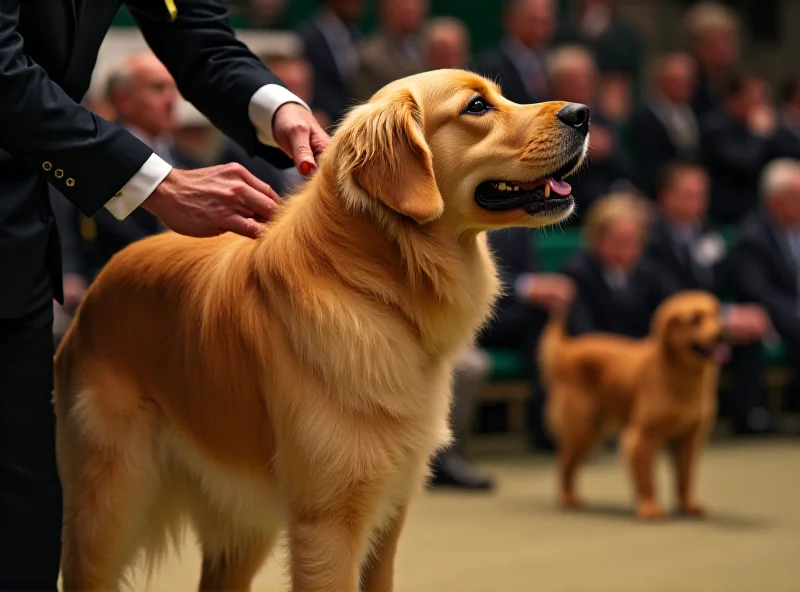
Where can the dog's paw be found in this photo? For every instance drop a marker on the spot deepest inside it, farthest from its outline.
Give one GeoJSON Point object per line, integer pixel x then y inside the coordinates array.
{"type": "Point", "coordinates": [570, 501]}
{"type": "Point", "coordinates": [650, 511]}
{"type": "Point", "coordinates": [694, 510]}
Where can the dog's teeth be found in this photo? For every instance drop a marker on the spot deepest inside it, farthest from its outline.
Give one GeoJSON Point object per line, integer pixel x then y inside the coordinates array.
{"type": "Point", "coordinates": [516, 187]}
{"type": "Point", "coordinates": [502, 186]}
{"type": "Point", "coordinates": [547, 191]}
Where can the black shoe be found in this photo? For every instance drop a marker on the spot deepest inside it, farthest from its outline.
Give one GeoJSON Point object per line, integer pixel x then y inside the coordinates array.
{"type": "Point", "coordinates": [453, 471]}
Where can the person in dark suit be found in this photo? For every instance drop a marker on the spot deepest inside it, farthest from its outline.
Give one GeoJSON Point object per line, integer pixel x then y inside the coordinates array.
{"type": "Point", "coordinates": [785, 142]}
{"type": "Point", "coordinates": [617, 289]}
{"type": "Point", "coordinates": [518, 63]}
{"type": "Point", "coordinates": [665, 127]}
{"type": "Point", "coordinates": [765, 269]}
{"type": "Point", "coordinates": [330, 41]}
{"type": "Point", "coordinates": [49, 138]}
{"type": "Point", "coordinates": [689, 251]}
{"type": "Point", "coordinates": [529, 296]}
{"type": "Point", "coordinates": [734, 144]}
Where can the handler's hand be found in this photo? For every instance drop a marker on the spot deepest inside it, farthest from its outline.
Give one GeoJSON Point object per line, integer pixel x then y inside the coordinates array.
{"type": "Point", "coordinates": [211, 201]}
{"type": "Point", "coordinates": [298, 132]}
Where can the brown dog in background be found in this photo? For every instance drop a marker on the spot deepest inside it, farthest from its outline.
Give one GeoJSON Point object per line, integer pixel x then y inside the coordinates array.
{"type": "Point", "coordinates": [658, 391]}
{"type": "Point", "coordinates": [302, 381]}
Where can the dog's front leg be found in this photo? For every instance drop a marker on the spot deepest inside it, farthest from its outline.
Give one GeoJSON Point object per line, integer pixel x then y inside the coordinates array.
{"type": "Point", "coordinates": [378, 571]}
{"type": "Point", "coordinates": [325, 552]}
{"type": "Point", "coordinates": [686, 453]}
{"type": "Point", "coordinates": [641, 452]}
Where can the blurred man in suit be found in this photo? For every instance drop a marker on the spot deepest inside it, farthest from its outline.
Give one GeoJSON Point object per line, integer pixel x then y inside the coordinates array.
{"type": "Point", "coordinates": [691, 254]}
{"type": "Point", "coordinates": [734, 145]}
{"type": "Point", "coordinates": [765, 269]}
{"type": "Point", "coordinates": [48, 50]}
{"type": "Point", "coordinates": [518, 63]}
{"type": "Point", "coordinates": [665, 128]}
{"type": "Point", "coordinates": [530, 295]}
{"type": "Point", "coordinates": [447, 44]}
{"type": "Point", "coordinates": [785, 142]}
{"type": "Point", "coordinates": [617, 290]}
{"type": "Point", "coordinates": [396, 50]}
{"type": "Point", "coordinates": [330, 42]}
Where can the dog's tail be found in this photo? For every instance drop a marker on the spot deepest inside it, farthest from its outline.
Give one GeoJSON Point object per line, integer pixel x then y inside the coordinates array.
{"type": "Point", "coordinates": [550, 344]}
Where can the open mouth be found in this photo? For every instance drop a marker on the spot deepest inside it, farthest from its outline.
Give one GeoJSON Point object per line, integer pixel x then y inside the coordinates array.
{"type": "Point", "coordinates": [546, 194]}
{"type": "Point", "coordinates": [718, 351]}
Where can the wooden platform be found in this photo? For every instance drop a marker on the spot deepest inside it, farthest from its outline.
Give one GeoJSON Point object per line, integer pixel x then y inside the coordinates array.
{"type": "Point", "coordinates": [517, 541]}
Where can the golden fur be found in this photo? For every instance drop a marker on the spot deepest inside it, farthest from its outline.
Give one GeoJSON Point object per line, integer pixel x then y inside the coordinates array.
{"type": "Point", "coordinates": [659, 390]}
{"type": "Point", "coordinates": [301, 380]}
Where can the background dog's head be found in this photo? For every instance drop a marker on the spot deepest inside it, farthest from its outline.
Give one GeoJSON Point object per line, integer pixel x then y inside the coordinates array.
{"type": "Point", "coordinates": [689, 326]}
{"type": "Point", "coordinates": [446, 146]}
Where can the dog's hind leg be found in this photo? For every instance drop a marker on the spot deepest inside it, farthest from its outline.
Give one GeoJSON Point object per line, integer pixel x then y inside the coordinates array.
{"type": "Point", "coordinates": [686, 453]}
{"type": "Point", "coordinates": [640, 450]}
{"type": "Point", "coordinates": [573, 423]}
{"type": "Point", "coordinates": [107, 463]}
{"type": "Point", "coordinates": [377, 573]}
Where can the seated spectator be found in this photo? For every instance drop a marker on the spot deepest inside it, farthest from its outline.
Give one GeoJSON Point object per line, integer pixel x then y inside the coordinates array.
{"type": "Point", "coordinates": [665, 127]}
{"type": "Point", "coordinates": [530, 295]}
{"type": "Point", "coordinates": [518, 63]}
{"type": "Point", "coordinates": [765, 269]}
{"type": "Point", "coordinates": [395, 51]}
{"type": "Point", "coordinates": [734, 144]}
{"type": "Point", "coordinates": [785, 142]}
{"type": "Point", "coordinates": [330, 46]}
{"type": "Point", "coordinates": [447, 44]}
{"type": "Point", "coordinates": [714, 37]}
{"type": "Point", "coordinates": [616, 45]}
{"type": "Point", "coordinates": [572, 76]}
{"type": "Point", "coordinates": [617, 290]}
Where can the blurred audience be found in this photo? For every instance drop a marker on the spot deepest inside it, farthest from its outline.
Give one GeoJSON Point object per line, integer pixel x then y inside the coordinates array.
{"type": "Point", "coordinates": [617, 289]}
{"type": "Point", "coordinates": [665, 128]}
{"type": "Point", "coordinates": [330, 41]}
{"type": "Point", "coordinates": [572, 75]}
{"type": "Point", "coordinates": [785, 142]}
{"type": "Point", "coordinates": [714, 41]}
{"type": "Point", "coordinates": [530, 295]}
{"type": "Point", "coordinates": [396, 50]}
{"type": "Point", "coordinates": [447, 44]}
{"type": "Point", "coordinates": [765, 269]}
{"type": "Point", "coordinates": [734, 145]}
{"type": "Point", "coordinates": [518, 64]}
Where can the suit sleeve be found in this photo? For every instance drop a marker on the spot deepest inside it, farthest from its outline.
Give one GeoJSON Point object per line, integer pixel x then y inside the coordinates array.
{"type": "Point", "coordinates": [213, 70]}
{"type": "Point", "coordinates": [582, 318]}
{"type": "Point", "coordinates": [83, 156]}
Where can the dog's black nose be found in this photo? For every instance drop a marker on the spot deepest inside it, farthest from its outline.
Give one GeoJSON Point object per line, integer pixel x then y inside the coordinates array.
{"type": "Point", "coordinates": [575, 115]}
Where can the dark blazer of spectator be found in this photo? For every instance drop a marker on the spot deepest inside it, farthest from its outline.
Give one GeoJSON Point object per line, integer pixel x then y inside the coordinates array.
{"type": "Point", "coordinates": [329, 45]}
{"type": "Point", "coordinates": [784, 143]}
{"type": "Point", "coordinates": [763, 271]}
{"type": "Point", "coordinates": [698, 266]}
{"type": "Point", "coordinates": [653, 146]}
{"type": "Point", "coordinates": [734, 157]}
{"type": "Point", "coordinates": [498, 65]}
{"type": "Point", "coordinates": [600, 308]}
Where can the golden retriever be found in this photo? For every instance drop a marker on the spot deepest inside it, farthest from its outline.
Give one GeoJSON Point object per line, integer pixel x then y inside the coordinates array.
{"type": "Point", "coordinates": [659, 390]}
{"type": "Point", "coordinates": [302, 381]}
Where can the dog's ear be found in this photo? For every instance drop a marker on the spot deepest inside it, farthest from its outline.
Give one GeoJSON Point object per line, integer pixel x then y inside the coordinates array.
{"type": "Point", "coordinates": [387, 156]}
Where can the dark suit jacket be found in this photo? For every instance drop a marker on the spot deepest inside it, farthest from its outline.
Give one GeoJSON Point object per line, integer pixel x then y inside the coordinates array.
{"type": "Point", "coordinates": [496, 65]}
{"type": "Point", "coordinates": [516, 324]}
{"type": "Point", "coordinates": [331, 92]}
{"type": "Point", "coordinates": [48, 137]}
{"type": "Point", "coordinates": [762, 270]}
{"type": "Point", "coordinates": [598, 309]}
{"type": "Point", "coordinates": [784, 143]}
{"type": "Point", "coordinates": [734, 158]}
{"type": "Point", "coordinates": [675, 269]}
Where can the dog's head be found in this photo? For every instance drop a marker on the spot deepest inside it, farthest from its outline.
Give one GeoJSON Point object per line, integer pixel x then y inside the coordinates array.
{"type": "Point", "coordinates": [446, 146]}
{"type": "Point", "coordinates": [689, 327]}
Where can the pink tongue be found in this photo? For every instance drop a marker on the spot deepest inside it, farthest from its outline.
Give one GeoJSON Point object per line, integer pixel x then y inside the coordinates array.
{"type": "Point", "coordinates": [559, 187]}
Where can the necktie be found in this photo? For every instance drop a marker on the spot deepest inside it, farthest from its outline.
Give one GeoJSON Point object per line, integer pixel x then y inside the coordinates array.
{"type": "Point", "coordinates": [172, 9]}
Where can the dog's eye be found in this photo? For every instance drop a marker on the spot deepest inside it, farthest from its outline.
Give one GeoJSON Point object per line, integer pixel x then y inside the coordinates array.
{"type": "Point", "coordinates": [477, 106]}
{"type": "Point", "coordinates": [697, 318]}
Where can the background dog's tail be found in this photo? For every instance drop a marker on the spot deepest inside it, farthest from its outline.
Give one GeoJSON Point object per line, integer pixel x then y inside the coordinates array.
{"type": "Point", "coordinates": [553, 337]}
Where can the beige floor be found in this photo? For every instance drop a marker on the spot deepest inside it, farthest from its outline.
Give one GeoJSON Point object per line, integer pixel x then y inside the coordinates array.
{"type": "Point", "coordinates": [515, 540]}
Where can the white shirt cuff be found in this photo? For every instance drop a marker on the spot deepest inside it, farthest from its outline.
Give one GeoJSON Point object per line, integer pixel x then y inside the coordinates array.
{"type": "Point", "coordinates": [264, 103]}
{"type": "Point", "coordinates": [139, 188]}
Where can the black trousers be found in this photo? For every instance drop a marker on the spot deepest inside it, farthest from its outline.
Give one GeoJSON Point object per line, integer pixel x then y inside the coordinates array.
{"type": "Point", "coordinates": [30, 490]}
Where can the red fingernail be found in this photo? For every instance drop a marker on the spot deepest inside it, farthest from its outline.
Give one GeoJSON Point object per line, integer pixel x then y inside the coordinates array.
{"type": "Point", "coordinates": [306, 167]}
